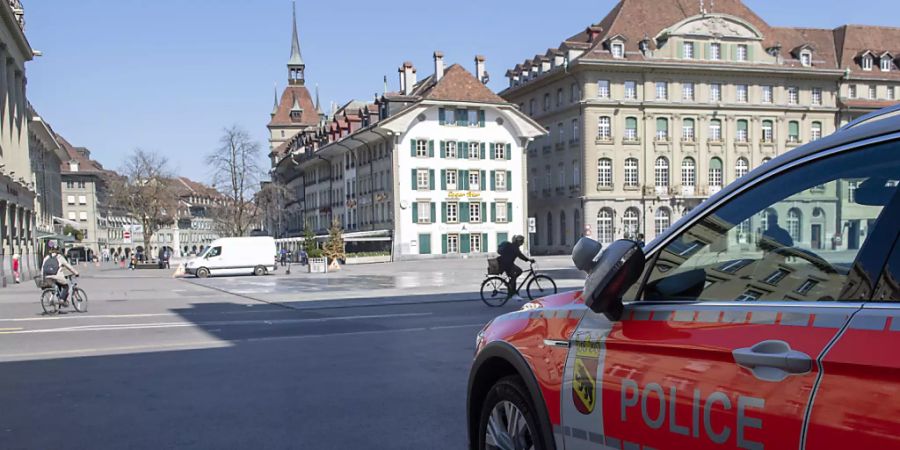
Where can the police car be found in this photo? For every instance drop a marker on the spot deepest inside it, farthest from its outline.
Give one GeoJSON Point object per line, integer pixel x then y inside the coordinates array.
{"type": "Point", "coordinates": [766, 318]}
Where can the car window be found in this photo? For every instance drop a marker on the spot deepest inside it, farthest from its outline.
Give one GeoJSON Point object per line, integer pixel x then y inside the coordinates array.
{"type": "Point", "coordinates": [888, 289]}
{"type": "Point", "coordinates": [213, 252]}
{"type": "Point", "coordinates": [792, 237]}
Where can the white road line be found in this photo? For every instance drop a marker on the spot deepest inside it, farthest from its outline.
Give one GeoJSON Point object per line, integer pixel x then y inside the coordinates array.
{"type": "Point", "coordinates": [132, 316]}
{"type": "Point", "coordinates": [143, 326]}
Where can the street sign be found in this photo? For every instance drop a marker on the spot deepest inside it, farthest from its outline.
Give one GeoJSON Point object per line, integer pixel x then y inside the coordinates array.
{"type": "Point", "coordinates": [532, 225]}
{"type": "Point", "coordinates": [126, 235]}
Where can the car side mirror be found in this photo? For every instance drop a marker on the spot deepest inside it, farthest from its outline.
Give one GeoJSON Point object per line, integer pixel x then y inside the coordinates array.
{"type": "Point", "coordinates": [610, 273]}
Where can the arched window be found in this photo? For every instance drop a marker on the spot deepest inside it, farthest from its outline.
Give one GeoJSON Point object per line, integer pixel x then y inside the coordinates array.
{"type": "Point", "coordinates": [687, 130]}
{"type": "Point", "coordinates": [549, 228]}
{"type": "Point", "coordinates": [661, 174]}
{"type": "Point", "coordinates": [741, 167]}
{"type": "Point", "coordinates": [742, 133]}
{"type": "Point", "coordinates": [815, 131]}
{"type": "Point", "coordinates": [662, 220]}
{"type": "Point", "coordinates": [715, 173]}
{"type": "Point", "coordinates": [662, 129]}
{"type": "Point", "coordinates": [562, 228]}
{"type": "Point", "coordinates": [794, 223]}
{"type": "Point", "coordinates": [764, 218]}
{"type": "Point", "coordinates": [605, 221]}
{"type": "Point", "coordinates": [631, 172]}
{"type": "Point", "coordinates": [631, 222]}
{"type": "Point", "coordinates": [604, 173]}
{"type": "Point", "coordinates": [793, 131]}
{"type": "Point", "coordinates": [631, 129]}
{"type": "Point", "coordinates": [688, 173]}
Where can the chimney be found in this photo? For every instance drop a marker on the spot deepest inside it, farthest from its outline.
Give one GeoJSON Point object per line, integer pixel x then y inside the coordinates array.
{"type": "Point", "coordinates": [407, 78]}
{"type": "Point", "coordinates": [480, 71]}
{"type": "Point", "coordinates": [438, 65]}
{"type": "Point", "coordinates": [593, 32]}
{"type": "Point", "coordinates": [402, 80]}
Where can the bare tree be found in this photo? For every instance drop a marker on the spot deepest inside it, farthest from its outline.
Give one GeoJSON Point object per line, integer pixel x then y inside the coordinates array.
{"type": "Point", "coordinates": [271, 203]}
{"type": "Point", "coordinates": [236, 174]}
{"type": "Point", "coordinates": [145, 191]}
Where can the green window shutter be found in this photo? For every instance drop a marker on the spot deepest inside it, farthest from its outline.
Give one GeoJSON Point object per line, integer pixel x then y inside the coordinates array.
{"type": "Point", "coordinates": [442, 116]}
{"type": "Point", "coordinates": [501, 238]}
{"type": "Point", "coordinates": [481, 118]}
{"type": "Point", "coordinates": [462, 180]}
{"type": "Point", "coordinates": [631, 123]}
{"type": "Point", "coordinates": [742, 125]}
{"type": "Point", "coordinates": [415, 211]}
{"type": "Point", "coordinates": [482, 150]}
{"type": "Point", "coordinates": [412, 147]}
{"type": "Point", "coordinates": [484, 212]}
{"type": "Point", "coordinates": [443, 212]}
{"type": "Point", "coordinates": [414, 180]}
{"type": "Point", "coordinates": [508, 152]}
{"type": "Point", "coordinates": [465, 243]}
{"type": "Point", "coordinates": [794, 128]}
{"type": "Point", "coordinates": [463, 149]}
{"type": "Point", "coordinates": [707, 52]}
{"type": "Point", "coordinates": [491, 152]}
{"type": "Point", "coordinates": [749, 52]}
{"type": "Point", "coordinates": [431, 179]}
{"type": "Point", "coordinates": [443, 244]}
{"type": "Point", "coordinates": [443, 179]}
{"type": "Point", "coordinates": [509, 214]}
{"type": "Point", "coordinates": [733, 48]}
{"type": "Point", "coordinates": [484, 243]}
{"type": "Point", "coordinates": [662, 124]}
{"type": "Point", "coordinates": [431, 149]}
{"type": "Point", "coordinates": [509, 180]}
{"type": "Point", "coordinates": [493, 212]}
{"type": "Point", "coordinates": [463, 212]}
{"type": "Point", "coordinates": [493, 181]}
{"type": "Point", "coordinates": [443, 149]}
{"type": "Point", "coordinates": [424, 244]}
{"type": "Point", "coordinates": [680, 50]}
{"type": "Point", "coordinates": [483, 180]}
{"type": "Point", "coordinates": [696, 50]}
{"type": "Point", "coordinates": [433, 212]}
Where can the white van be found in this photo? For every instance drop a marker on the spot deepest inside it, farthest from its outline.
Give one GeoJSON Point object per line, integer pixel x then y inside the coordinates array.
{"type": "Point", "coordinates": [235, 256]}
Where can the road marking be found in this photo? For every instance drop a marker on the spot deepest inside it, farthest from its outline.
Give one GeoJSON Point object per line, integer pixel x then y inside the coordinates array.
{"type": "Point", "coordinates": [132, 316]}
{"type": "Point", "coordinates": [10, 329]}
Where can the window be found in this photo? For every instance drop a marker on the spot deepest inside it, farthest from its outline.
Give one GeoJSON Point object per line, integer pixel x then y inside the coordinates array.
{"type": "Point", "coordinates": [687, 92]}
{"type": "Point", "coordinates": [817, 96]}
{"type": "Point", "coordinates": [867, 62]}
{"type": "Point", "coordinates": [793, 131]}
{"type": "Point", "coordinates": [214, 252]}
{"type": "Point", "coordinates": [562, 228]}
{"type": "Point", "coordinates": [474, 212]}
{"type": "Point", "coordinates": [82, 216]}
{"type": "Point", "coordinates": [450, 149]}
{"type": "Point", "coordinates": [715, 92]}
{"type": "Point", "coordinates": [618, 50]}
{"type": "Point", "coordinates": [452, 212]}
{"type": "Point", "coordinates": [605, 226]}
{"type": "Point", "coordinates": [499, 151]}
{"type": "Point", "coordinates": [474, 180]}
{"type": "Point", "coordinates": [715, 51]}
{"type": "Point", "coordinates": [423, 180]}
{"type": "Point", "coordinates": [815, 131]}
{"type": "Point", "coordinates": [852, 89]}
{"type": "Point", "coordinates": [661, 172]}
{"type": "Point", "coordinates": [767, 131]}
{"type": "Point", "coordinates": [604, 131]}
{"type": "Point", "coordinates": [742, 134]}
{"type": "Point", "coordinates": [502, 212]}
{"type": "Point", "coordinates": [741, 167]}
{"type": "Point", "coordinates": [70, 185]}
{"type": "Point", "coordinates": [687, 50]}
{"type": "Point", "coordinates": [474, 152]}
{"type": "Point", "coordinates": [500, 180]}
{"type": "Point", "coordinates": [715, 130]}
{"type": "Point", "coordinates": [603, 89]}
{"type": "Point", "coordinates": [631, 172]}
{"type": "Point", "coordinates": [662, 220]}
{"type": "Point", "coordinates": [421, 148]}
{"type": "Point", "coordinates": [742, 52]}
{"type": "Point", "coordinates": [662, 129]}
{"type": "Point", "coordinates": [886, 63]}
{"type": "Point", "coordinates": [715, 173]}
{"type": "Point", "coordinates": [576, 173]}
{"type": "Point", "coordinates": [452, 243]}
{"type": "Point", "coordinates": [631, 129]}
{"type": "Point", "coordinates": [604, 173]}
{"type": "Point", "coordinates": [687, 130]}
{"type": "Point", "coordinates": [561, 136]}
{"type": "Point", "coordinates": [793, 95]}
{"type": "Point", "coordinates": [890, 93]}
{"type": "Point", "coordinates": [70, 199]}
{"type": "Point", "coordinates": [72, 215]}
{"type": "Point", "coordinates": [531, 107]}
{"type": "Point", "coordinates": [630, 90]}
{"type": "Point", "coordinates": [81, 185]}
{"type": "Point", "coordinates": [575, 136]}
{"type": "Point", "coordinates": [562, 176]}
{"type": "Point", "coordinates": [775, 277]}
{"type": "Point", "coordinates": [559, 97]}
{"type": "Point", "coordinates": [662, 90]}
{"type": "Point", "coordinates": [546, 102]}
{"type": "Point", "coordinates": [475, 242]}
{"type": "Point", "coordinates": [573, 93]}
{"type": "Point", "coordinates": [872, 93]}
{"type": "Point", "coordinates": [451, 180]}
{"type": "Point", "coordinates": [688, 174]}
{"type": "Point", "coordinates": [742, 93]}
{"type": "Point", "coordinates": [82, 200]}
{"type": "Point", "coordinates": [424, 212]}
{"type": "Point", "coordinates": [806, 59]}
{"type": "Point", "coordinates": [549, 229]}
{"type": "Point", "coordinates": [631, 222]}
{"type": "Point", "coordinates": [767, 94]}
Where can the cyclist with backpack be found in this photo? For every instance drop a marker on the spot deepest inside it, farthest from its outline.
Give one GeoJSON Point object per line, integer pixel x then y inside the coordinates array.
{"type": "Point", "coordinates": [509, 252]}
{"type": "Point", "coordinates": [52, 267]}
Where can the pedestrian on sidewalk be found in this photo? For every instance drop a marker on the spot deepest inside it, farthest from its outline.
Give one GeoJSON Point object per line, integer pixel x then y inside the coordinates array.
{"type": "Point", "coordinates": [15, 267]}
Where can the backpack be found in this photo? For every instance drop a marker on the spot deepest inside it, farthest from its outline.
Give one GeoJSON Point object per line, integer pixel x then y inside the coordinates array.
{"type": "Point", "coordinates": [51, 266]}
{"type": "Point", "coordinates": [501, 249]}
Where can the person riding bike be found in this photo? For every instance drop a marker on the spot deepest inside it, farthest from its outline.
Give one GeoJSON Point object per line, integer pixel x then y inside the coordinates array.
{"type": "Point", "coordinates": [52, 267]}
{"type": "Point", "coordinates": [509, 251]}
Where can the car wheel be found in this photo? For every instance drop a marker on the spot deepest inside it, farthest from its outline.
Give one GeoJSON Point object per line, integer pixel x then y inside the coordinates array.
{"type": "Point", "coordinates": [508, 420]}
{"type": "Point", "coordinates": [202, 272]}
{"type": "Point", "coordinates": [259, 271]}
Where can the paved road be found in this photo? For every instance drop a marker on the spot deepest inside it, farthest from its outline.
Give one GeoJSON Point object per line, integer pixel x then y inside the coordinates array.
{"type": "Point", "coordinates": [164, 363]}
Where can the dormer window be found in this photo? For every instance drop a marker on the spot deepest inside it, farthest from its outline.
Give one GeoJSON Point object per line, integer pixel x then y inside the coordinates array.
{"type": "Point", "coordinates": [806, 59]}
{"type": "Point", "coordinates": [742, 52]}
{"type": "Point", "coordinates": [886, 63]}
{"type": "Point", "coordinates": [73, 166]}
{"type": "Point", "coordinates": [688, 49]}
{"type": "Point", "coordinates": [618, 50]}
{"type": "Point", "coordinates": [867, 62]}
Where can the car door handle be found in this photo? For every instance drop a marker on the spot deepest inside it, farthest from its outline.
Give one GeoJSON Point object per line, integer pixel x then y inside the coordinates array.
{"type": "Point", "coordinates": [773, 360]}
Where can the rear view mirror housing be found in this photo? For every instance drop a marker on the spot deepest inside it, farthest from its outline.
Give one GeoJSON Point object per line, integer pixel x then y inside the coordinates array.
{"type": "Point", "coordinates": [610, 275]}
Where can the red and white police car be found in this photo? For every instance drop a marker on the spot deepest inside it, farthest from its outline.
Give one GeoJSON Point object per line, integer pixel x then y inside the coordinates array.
{"type": "Point", "coordinates": [767, 318]}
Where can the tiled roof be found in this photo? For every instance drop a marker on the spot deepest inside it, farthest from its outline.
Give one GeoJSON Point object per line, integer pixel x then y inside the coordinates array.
{"type": "Point", "coordinates": [85, 164]}
{"type": "Point", "coordinates": [282, 117]}
{"type": "Point", "coordinates": [854, 40]}
{"type": "Point", "coordinates": [459, 85]}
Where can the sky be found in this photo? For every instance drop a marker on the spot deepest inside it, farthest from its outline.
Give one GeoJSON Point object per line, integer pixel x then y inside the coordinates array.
{"type": "Point", "coordinates": [170, 75]}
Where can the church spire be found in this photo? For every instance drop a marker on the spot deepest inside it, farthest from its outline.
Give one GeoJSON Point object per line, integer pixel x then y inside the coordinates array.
{"type": "Point", "coordinates": [296, 67]}
{"type": "Point", "coordinates": [275, 107]}
{"type": "Point", "coordinates": [318, 108]}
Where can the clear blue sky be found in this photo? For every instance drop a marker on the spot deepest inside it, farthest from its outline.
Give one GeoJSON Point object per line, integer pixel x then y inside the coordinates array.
{"type": "Point", "coordinates": [168, 75]}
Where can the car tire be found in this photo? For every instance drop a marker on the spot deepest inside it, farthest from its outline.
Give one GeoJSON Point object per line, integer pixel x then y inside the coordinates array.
{"type": "Point", "coordinates": [259, 271]}
{"type": "Point", "coordinates": [508, 399]}
{"type": "Point", "coordinates": [202, 272]}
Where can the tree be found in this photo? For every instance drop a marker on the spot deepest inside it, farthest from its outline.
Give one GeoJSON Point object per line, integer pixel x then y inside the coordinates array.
{"type": "Point", "coordinates": [145, 191]}
{"type": "Point", "coordinates": [271, 203]}
{"type": "Point", "coordinates": [69, 230]}
{"type": "Point", "coordinates": [309, 242]}
{"type": "Point", "coordinates": [334, 247]}
{"type": "Point", "coordinates": [236, 173]}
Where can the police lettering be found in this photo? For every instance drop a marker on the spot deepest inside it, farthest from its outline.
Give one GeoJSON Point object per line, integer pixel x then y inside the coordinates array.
{"type": "Point", "coordinates": [658, 408]}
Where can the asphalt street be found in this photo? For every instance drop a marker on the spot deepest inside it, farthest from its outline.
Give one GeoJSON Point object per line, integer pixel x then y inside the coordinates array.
{"type": "Point", "coordinates": [159, 362]}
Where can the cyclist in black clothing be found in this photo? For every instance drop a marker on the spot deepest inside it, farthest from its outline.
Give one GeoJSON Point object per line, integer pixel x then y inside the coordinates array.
{"type": "Point", "coordinates": [509, 251]}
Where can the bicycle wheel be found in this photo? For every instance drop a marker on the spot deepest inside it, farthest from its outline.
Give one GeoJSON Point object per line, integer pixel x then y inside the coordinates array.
{"type": "Point", "coordinates": [49, 301]}
{"type": "Point", "coordinates": [79, 300]}
{"type": "Point", "coordinates": [541, 286]}
{"type": "Point", "coordinates": [494, 292]}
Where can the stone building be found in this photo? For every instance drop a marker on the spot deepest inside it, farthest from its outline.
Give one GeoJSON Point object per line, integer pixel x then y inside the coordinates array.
{"type": "Point", "coordinates": [662, 103]}
{"type": "Point", "coordinates": [46, 160]}
{"type": "Point", "coordinates": [85, 198]}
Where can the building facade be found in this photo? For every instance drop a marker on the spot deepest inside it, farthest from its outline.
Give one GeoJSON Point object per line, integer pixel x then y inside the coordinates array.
{"type": "Point", "coordinates": [85, 198]}
{"type": "Point", "coordinates": [661, 104]}
{"type": "Point", "coordinates": [46, 159]}
{"type": "Point", "coordinates": [437, 168]}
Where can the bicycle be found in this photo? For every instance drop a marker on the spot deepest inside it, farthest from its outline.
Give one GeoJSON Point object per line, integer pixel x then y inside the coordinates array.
{"type": "Point", "coordinates": [51, 291]}
{"type": "Point", "coordinates": [495, 289]}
